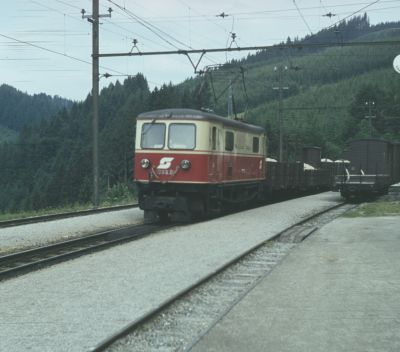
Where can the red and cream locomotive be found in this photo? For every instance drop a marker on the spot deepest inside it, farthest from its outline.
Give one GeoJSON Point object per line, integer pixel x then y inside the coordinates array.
{"type": "Point", "coordinates": [190, 162]}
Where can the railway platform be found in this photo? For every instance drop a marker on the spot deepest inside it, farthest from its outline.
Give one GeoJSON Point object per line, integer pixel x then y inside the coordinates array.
{"type": "Point", "coordinates": [336, 291]}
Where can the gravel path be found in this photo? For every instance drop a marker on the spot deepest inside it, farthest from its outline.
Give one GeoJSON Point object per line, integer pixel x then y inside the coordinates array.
{"type": "Point", "coordinates": [33, 235]}
{"type": "Point", "coordinates": [74, 305]}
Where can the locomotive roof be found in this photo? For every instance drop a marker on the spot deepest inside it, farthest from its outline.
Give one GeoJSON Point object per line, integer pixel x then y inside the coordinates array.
{"type": "Point", "coordinates": [191, 114]}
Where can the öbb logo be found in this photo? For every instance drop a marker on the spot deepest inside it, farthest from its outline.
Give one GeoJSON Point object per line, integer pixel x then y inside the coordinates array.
{"type": "Point", "coordinates": [165, 163]}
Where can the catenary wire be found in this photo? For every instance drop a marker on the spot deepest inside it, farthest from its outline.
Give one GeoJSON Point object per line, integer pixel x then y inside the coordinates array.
{"type": "Point", "coordinates": [55, 52]}
{"type": "Point", "coordinates": [302, 17]}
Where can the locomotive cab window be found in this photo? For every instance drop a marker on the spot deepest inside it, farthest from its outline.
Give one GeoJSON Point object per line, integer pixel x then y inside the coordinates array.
{"type": "Point", "coordinates": [153, 136]}
{"type": "Point", "coordinates": [256, 144]}
{"type": "Point", "coordinates": [229, 141]}
{"type": "Point", "coordinates": [182, 136]}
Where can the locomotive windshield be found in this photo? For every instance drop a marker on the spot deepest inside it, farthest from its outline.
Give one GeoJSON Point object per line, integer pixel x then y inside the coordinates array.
{"type": "Point", "coordinates": [181, 136]}
{"type": "Point", "coordinates": [153, 135]}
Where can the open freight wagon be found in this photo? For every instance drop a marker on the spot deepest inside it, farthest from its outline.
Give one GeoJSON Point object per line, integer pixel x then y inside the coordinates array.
{"type": "Point", "coordinates": [374, 166]}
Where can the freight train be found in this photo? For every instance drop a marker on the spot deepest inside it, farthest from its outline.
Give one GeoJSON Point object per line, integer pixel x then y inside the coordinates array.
{"type": "Point", "coordinates": [191, 163]}
{"type": "Point", "coordinates": [373, 165]}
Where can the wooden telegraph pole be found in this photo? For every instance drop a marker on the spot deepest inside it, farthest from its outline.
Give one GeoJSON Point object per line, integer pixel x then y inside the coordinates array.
{"type": "Point", "coordinates": [94, 20]}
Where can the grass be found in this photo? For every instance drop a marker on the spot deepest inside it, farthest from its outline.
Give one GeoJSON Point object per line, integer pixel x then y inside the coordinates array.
{"type": "Point", "coordinates": [119, 194]}
{"type": "Point", "coordinates": [380, 208]}
{"type": "Point", "coordinates": [41, 212]}
{"type": "Point", "coordinates": [60, 210]}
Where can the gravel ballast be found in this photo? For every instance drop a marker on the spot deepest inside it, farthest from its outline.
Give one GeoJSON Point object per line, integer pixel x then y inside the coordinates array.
{"type": "Point", "coordinates": [39, 234]}
{"type": "Point", "coordinates": [75, 305]}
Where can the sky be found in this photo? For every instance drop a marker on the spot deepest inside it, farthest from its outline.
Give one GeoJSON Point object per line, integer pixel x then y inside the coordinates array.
{"type": "Point", "coordinates": [46, 45]}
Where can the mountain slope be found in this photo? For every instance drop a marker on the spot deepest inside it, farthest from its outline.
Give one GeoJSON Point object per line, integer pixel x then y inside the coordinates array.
{"type": "Point", "coordinates": [303, 71]}
{"type": "Point", "coordinates": [329, 115]}
{"type": "Point", "coordinates": [19, 109]}
{"type": "Point", "coordinates": [7, 135]}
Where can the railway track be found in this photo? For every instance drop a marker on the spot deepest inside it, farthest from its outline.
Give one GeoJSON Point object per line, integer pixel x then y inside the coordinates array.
{"type": "Point", "coordinates": [50, 217]}
{"type": "Point", "coordinates": [22, 262]}
{"type": "Point", "coordinates": [182, 320]}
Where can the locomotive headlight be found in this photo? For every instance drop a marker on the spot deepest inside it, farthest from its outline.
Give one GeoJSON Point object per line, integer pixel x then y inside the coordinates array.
{"type": "Point", "coordinates": [185, 164]}
{"type": "Point", "coordinates": [145, 163]}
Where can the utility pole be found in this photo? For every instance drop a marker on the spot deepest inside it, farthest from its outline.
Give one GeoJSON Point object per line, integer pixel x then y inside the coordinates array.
{"type": "Point", "coordinates": [370, 104]}
{"type": "Point", "coordinates": [95, 97]}
{"type": "Point", "coordinates": [94, 20]}
{"type": "Point", "coordinates": [280, 88]}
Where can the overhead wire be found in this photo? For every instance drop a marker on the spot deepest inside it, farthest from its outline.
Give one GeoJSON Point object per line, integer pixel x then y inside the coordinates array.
{"type": "Point", "coordinates": [184, 18]}
{"type": "Point", "coordinates": [345, 18]}
{"type": "Point", "coordinates": [54, 52]}
{"type": "Point", "coordinates": [155, 30]}
{"type": "Point", "coordinates": [133, 36]}
{"type": "Point", "coordinates": [151, 27]}
{"type": "Point", "coordinates": [258, 12]}
{"type": "Point", "coordinates": [226, 58]}
{"type": "Point", "coordinates": [268, 11]}
{"type": "Point", "coordinates": [79, 20]}
{"type": "Point", "coordinates": [67, 15]}
{"type": "Point", "coordinates": [312, 7]}
{"type": "Point", "coordinates": [160, 33]}
{"type": "Point", "coordinates": [302, 17]}
{"type": "Point", "coordinates": [233, 37]}
{"type": "Point", "coordinates": [174, 39]}
{"type": "Point", "coordinates": [68, 4]}
{"type": "Point", "coordinates": [205, 17]}
{"type": "Point", "coordinates": [121, 12]}
{"type": "Point", "coordinates": [140, 20]}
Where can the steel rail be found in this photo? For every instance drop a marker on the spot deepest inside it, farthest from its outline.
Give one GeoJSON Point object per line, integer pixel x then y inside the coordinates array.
{"type": "Point", "coordinates": [103, 345]}
{"type": "Point", "coordinates": [58, 216]}
{"type": "Point", "coordinates": [22, 262]}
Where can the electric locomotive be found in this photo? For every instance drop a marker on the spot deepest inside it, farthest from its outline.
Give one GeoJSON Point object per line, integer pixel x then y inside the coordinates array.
{"type": "Point", "coordinates": [193, 163]}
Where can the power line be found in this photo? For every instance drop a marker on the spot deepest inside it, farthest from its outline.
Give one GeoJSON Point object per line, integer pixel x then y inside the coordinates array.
{"type": "Point", "coordinates": [54, 52]}
{"type": "Point", "coordinates": [345, 18]}
{"type": "Point", "coordinates": [80, 20]}
{"type": "Point", "coordinates": [104, 29]}
{"type": "Point", "coordinates": [313, 8]}
{"type": "Point", "coordinates": [155, 30]}
{"type": "Point", "coordinates": [128, 31]}
{"type": "Point", "coordinates": [205, 17]}
{"type": "Point", "coordinates": [43, 48]}
{"type": "Point", "coordinates": [214, 22]}
{"type": "Point", "coordinates": [68, 4]}
{"type": "Point", "coordinates": [356, 12]}
{"type": "Point", "coordinates": [302, 17]}
{"type": "Point", "coordinates": [69, 16]}
{"type": "Point", "coordinates": [237, 14]}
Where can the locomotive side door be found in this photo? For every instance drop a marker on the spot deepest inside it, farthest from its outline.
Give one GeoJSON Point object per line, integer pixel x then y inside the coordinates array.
{"type": "Point", "coordinates": [214, 156]}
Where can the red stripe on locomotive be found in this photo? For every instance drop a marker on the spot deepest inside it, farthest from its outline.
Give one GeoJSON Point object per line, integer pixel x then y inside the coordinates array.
{"type": "Point", "coordinates": [205, 167]}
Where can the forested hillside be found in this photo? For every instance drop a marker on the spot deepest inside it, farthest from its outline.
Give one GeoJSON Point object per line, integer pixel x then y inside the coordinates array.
{"type": "Point", "coordinates": [50, 164]}
{"type": "Point", "coordinates": [301, 72]}
{"type": "Point", "coordinates": [330, 115]}
{"type": "Point", "coordinates": [18, 109]}
{"type": "Point", "coordinates": [7, 135]}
